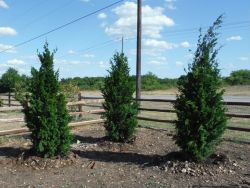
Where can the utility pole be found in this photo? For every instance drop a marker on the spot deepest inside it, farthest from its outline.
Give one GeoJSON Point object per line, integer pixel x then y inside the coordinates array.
{"type": "Point", "coordinates": [138, 57]}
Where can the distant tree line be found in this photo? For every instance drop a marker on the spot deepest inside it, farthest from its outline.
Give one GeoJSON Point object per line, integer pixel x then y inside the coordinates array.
{"type": "Point", "coordinates": [11, 81]}
{"type": "Point", "coordinates": [151, 82]}
{"type": "Point", "coordinates": [240, 77]}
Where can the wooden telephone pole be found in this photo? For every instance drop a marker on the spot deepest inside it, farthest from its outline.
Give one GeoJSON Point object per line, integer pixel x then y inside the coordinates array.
{"type": "Point", "coordinates": [138, 57]}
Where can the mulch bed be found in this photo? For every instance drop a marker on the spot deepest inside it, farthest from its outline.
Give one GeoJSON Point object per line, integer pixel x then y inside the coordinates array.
{"type": "Point", "coordinates": [152, 160]}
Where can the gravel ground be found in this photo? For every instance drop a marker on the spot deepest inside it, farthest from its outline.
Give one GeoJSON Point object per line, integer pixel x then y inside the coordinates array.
{"type": "Point", "coordinates": [153, 160]}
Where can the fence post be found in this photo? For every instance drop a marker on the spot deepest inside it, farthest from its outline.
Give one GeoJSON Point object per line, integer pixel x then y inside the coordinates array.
{"type": "Point", "coordinates": [9, 99]}
{"type": "Point", "coordinates": [79, 99]}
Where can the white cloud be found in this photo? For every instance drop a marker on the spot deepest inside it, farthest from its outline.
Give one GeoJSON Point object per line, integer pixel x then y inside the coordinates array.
{"type": "Point", "coordinates": [157, 44]}
{"type": "Point", "coordinates": [15, 62]}
{"type": "Point", "coordinates": [234, 38]}
{"type": "Point", "coordinates": [102, 64]}
{"type": "Point", "coordinates": [104, 24]}
{"type": "Point", "coordinates": [154, 47]}
{"type": "Point", "coordinates": [153, 21]}
{"type": "Point", "coordinates": [232, 66]}
{"type": "Point", "coordinates": [244, 58]}
{"type": "Point", "coordinates": [102, 16]}
{"type": "Point", "coordinates": [8, 31]}
{"type": "Point", "coordinates": [185, 44]}
{"type": "Point", "coordinates": [85, 1]}
{"type": "Point", "coordinates": [71, 52]}
{"type": "Point", "coordinates": [179, 63]}
{"type": "Point", "coordinates": [30, 58]}
{"type": "Point", "coordinates": [66, 62]}
{"type": "Point", "coordinates": [161, 58]}
{"type": "Point", "coordinates": [4, 65]}
{"type": "Point", "coordinates": [155, 62]}
{"type": "Point", "coordinates": [88, 55]}
{"type": "Point", "coordinates": [189, 56]}
{"type": "Point", "coordinates": [3, 4]}
{"type": "Point", "coordinates": [8, 48]}
{"type": "Point", "coordinates": [170, 4]}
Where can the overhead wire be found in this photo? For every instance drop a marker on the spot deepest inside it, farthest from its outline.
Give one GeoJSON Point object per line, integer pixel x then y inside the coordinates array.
{"type": "Point", "coordinates": [62, 26]}
{"type": "Point", "coordinates": [29, 9]}
{"type": "Point", "coordinates": [48, 13]}
{"type": "Point", "coordinates": [169, 33]}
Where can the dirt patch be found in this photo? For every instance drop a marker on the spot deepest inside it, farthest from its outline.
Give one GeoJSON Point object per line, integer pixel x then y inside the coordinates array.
{"type": "Point", "coordinates": [153, 160]}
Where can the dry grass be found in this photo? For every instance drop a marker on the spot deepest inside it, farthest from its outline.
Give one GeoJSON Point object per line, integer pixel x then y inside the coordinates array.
{"type": "Point", "coordinates": [238, 90]}
{"type": "Point", "coordinates": [229, 90]}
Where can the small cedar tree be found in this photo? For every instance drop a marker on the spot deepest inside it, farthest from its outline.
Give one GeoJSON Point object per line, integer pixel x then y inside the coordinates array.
{"type": "Point", "coordinates": [120, 108]}
{"type": "Point", "coordinates": [46, 113]}
{"type": "Point", "coordinates": [200, 112]}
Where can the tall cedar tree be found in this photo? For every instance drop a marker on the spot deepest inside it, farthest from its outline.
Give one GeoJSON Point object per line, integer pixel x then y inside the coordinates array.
{"type": "Point", "coordinates": [120, 108]}
{"type": "Point", "coordinates": [201, 115]}
{"type": "Point", "coordinates": [46, 113]}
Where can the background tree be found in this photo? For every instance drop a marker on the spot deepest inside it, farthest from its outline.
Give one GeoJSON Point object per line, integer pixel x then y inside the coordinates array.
{"type": "Point", "coordinates": [239, 77]}
{"type": "Point", "coordinates": [46, 114]}
{"type": "Point", "coordinates": [120, 108]}
{"type": "Point", "coordinates": [201, 115]}
{"type": "Point", "coordinates": [150, 82]}
{"type": "Point", "coordinates": [70, 90]}
{"type": "Point", "coordinates": [9, 80]}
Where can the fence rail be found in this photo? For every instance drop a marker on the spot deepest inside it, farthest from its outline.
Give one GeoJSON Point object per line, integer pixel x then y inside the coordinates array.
{"type": "Point", "coordinates": [232, 103]}
{"type": "Point", "coordinates": [9, 97]}
{"type": "Point", "coordinates": [85, 101]}
{"type": "Point", "coordinates": [72, 125]}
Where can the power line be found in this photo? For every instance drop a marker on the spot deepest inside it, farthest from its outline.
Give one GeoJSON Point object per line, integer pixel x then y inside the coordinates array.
{"type": "Point", "coordinates": [62, 26]}
{"type": "Point", "coordinates": [93, 47]}
{"type": "Point", "coordinates": [170, 33]}
{"type": "Point", "coordinates": [18, 16]}
{"type": "Point", "coordinates": [99, 45]}
{"type": "Point", "coordinates": [48, 13]}
{"type": "Point", "coordinates": [206, 27]}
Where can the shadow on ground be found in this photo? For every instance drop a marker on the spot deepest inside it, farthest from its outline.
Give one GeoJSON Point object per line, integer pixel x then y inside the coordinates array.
{"type": "Point", "coordinates": [146, 160]}
{"type": "Point", "coordinates": [11, 151]}
{"type": "Point", "coordinates": [88, 139]}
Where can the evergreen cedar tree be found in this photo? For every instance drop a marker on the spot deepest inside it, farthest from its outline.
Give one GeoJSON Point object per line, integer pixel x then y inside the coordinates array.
{"type": "Point", "coordinates": [120, 108]}
{"type": "Point", "coordinates": [201, 115]}
{"type": "Point", "coordinates": [46, 114]}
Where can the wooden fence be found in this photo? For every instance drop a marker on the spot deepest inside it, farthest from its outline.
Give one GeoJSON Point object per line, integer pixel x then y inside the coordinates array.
{"type": "Point", "coordinates": [84, 101]}
{"type": "Point", "coordinates": [227, 103]}
{"type": "Point", "coordinates": [8, 99]}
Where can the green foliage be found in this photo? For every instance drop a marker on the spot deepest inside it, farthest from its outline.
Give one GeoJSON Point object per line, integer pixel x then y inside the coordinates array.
{"type": "Point", "coordinates": [201, 115]}
{"type": "Point", "coordinates": [70, 90]}
{"type": "Point", "coordinates": [239, 77]}
{"type": "Point", "coordinates": [120, 108]}
{"type": "Point", "coordinates": [46, 113]}
{"type": "Point", "coordinates": [86, 83]}
{"type": "Point", "coordinates": [150, 82]}
{"type": "Point", "coordinates": [21, 89]}
{"type": "Point", "coordinates": [12, 81]}
{"type": "Point", "coordinates": [9, 80]}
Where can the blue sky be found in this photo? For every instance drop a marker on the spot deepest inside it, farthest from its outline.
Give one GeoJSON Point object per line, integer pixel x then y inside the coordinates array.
{"type": "Point", "coordinates": [170, 31]}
